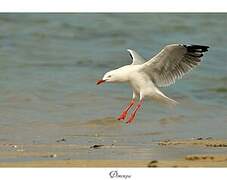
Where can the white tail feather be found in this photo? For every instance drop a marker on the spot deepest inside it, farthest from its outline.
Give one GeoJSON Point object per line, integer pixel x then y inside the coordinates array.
{"type": "Point", "coordinates": [161, 98]}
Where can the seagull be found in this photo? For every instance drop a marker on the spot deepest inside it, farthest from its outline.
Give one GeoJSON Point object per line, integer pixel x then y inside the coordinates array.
{"type": "Point", "coordinates": [146, 77]}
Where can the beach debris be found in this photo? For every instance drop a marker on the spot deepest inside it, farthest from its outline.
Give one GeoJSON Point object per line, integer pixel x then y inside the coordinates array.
{"type": "Point", "coordinates": [50, 156]}
{"type": "Point", "coordinates": [200, 138]}
{"type": "Point", "coordinates": [53, 156]}
{"type": "Point", "coordinates": [208, 142]}
{"type": "Point", "coordinates": [61, 140]}
{"type": "Point", "coordinates": [14, 146]}
{"type": "Point", "coordinates": [153, 163]}
{"type": "Point", "coordinates": [96, 146]}
{"type": "Point", "coordinates": [199, 157]}
{"type": "Point", "coordinates": [216, 145]}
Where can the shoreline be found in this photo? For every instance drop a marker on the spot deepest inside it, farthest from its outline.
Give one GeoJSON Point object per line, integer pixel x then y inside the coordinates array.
{"type": "Point", "coordinates": [205, 159]}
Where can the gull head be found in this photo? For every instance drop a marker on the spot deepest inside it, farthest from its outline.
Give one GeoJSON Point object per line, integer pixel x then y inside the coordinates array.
{"type": "Point", "coordinates": [116, 75]}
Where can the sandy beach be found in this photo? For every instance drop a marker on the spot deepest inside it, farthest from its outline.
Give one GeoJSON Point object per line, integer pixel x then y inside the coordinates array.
{"type": "Point", "coordinates": [50, 158]}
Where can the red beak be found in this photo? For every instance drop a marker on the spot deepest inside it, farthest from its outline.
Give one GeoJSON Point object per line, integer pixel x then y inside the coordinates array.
{"type": "Point", "coordinates": [100, 81]}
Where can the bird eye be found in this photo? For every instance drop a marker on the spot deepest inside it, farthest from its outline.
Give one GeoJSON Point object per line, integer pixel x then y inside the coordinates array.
{"type": "Point", "coordinates": [109, 76]}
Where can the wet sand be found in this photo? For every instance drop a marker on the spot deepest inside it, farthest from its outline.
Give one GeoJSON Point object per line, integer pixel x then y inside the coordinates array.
{"type": "Point", "coordinates": [194, 160]}
{"type": "Point", "coordinates": [216, 161]}
{"type": "Point", "coordinates": [50, 158]}
{"type": "Point", "coordinates": [206, 142]}
{"type": "Point", "coordinates": [78, 163]}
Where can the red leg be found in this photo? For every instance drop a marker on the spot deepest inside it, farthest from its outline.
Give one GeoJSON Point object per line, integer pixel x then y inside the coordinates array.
{"type": "Point", "coordinates": [124, 113]}
{"type": "Point", "coordinates": [133, 115]}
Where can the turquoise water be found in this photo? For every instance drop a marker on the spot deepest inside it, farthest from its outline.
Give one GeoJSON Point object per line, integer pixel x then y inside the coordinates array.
{"type": "Point", "coordinates": [49, 64]}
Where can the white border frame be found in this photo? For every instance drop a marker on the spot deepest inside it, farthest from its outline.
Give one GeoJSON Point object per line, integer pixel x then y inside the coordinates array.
{"type": "Point", "coordinates": [70, 6]}
{"type": "Point", "coordinates": [113, 6]}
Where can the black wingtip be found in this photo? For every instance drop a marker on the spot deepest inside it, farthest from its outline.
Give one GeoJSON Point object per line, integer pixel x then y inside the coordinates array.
{"type": "Point", "coordinates": [196, 48]}
{"type": "Point", "coordinates": [130, 55]}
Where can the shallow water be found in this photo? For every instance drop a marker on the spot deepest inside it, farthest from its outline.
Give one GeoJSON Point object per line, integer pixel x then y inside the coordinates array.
{"type": "Point", "coordinates": [49, 64]}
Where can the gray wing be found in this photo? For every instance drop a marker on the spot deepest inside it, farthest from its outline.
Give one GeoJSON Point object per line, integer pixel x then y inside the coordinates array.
{"type": "Point", "coordinates": [136, 58]}
{"type": "Point", "coordinates": [173, 62]}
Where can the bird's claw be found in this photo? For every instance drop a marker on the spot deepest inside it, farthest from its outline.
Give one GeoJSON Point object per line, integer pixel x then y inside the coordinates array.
{"type": "Point", "coordinates": [122, 116]}
{"type": "Point", "coordinates": [131, 118]}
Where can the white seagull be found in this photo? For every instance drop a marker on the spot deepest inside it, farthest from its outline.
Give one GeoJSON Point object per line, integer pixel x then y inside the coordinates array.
{"type": "Point", "coordinates": [162, 70]}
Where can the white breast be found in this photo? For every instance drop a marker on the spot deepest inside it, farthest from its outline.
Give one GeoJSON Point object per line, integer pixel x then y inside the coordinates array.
{"type": "Point", "coordinates": [141, 83]}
